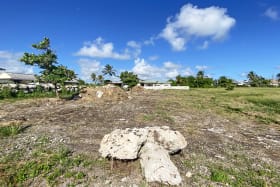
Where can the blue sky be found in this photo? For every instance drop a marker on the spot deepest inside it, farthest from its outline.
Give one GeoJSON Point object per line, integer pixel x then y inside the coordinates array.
{"type": "Point", "coordinates": [156, 39]}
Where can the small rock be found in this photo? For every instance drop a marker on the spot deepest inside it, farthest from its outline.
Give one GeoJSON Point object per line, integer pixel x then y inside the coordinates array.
{"type": "Point", "coordinates": [124, 179]}
{"type": "Point", "coordinates": [99, 94]}
{"type": "Point", "coordinates": [188, 174]}
{"type": "Point", "coordinates": [108, 182]}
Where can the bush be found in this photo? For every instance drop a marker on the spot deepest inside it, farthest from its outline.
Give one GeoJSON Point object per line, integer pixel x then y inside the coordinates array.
{"type": "Point", "coordinates": [21, 93]}
{"type": "Point", "coordinates": [230, 87]}
{"type": "Point", "coordinates": [5, 92]}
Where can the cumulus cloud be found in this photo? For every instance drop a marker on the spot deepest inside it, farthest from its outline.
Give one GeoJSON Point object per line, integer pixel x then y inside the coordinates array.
{"type": "Point", "coordinates": [10, 62]}
{"type": "Point", "coordinates": [212, 22]}
{"type": "Point", "coordinates": [87, 67]}
{"type": "Point", "coordinates": [100, 49]}
{"type": "Point", "coordinates": [201, 68]}
{"type": "Point", "coordinates": [272, 13]}
{"type": "Point", "coordinates": [188, 72]}
{"type": "Point", "coordinates": [147, 71]}
{"type": "Point", "coordinates": [134, 49]}
{"type": "Point", "coordinates": [170, 65]}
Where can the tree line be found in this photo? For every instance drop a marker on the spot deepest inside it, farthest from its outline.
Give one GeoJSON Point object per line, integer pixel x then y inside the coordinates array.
{"type": "Point", "coordinates": [55, 73]}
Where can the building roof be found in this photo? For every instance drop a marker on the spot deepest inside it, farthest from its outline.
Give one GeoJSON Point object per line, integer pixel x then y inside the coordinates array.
{"type": "Point", "coordinates": [73, 81]}
{"type": "Point", "coordinates": [17, 76]}
{"type": "Point", "coordinates": [152, 82]}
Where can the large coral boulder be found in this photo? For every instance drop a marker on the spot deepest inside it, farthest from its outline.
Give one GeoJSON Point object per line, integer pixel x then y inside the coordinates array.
{"type": "Point", "coordinates": [123, 144]}
{"type": "Point", "coordinates": [157, 166]}
{"type": "Point", "coordinates": [152, 145]}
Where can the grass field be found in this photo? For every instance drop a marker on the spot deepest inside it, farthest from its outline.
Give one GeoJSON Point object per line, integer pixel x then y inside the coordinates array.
{"type": "Point", "coordinates": [260, 104]}
{"type": "Point", "coordinates": [233, 138]}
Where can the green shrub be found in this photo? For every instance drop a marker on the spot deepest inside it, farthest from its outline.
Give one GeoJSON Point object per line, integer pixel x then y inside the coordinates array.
{"type": "Point", "coordinates": [6, 92]}
{"type": "Point", "coordinates": [10, 130]}
{"type": "Point", "coordinates": [219, 175]}
{"type": "Point", "coordinates": [20, 93]}
{"type": "Point", "coordinates": [230, 87]}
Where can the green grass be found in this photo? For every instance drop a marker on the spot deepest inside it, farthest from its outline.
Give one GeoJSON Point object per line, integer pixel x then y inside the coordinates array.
{"type": "Point", "coordinates": [11, 130]}
{"type": "Point", "coordinates": [259, 104]}
{"type": "Point", "coordinates": [238, 171]}
{"type": "Point", "coordinates": [51, 165]}
{"type": "Point", "coordinates": [250, 176]}
{"type": "Point", "coordinates": [219, 175]}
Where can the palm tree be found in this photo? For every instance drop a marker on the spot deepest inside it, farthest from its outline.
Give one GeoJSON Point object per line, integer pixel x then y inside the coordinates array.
{"type": "Point", "coordinates": [200, 74]}
{"type": "Point", "coordinates": [278, 77]}
{"type": "Point", "coordinates": [253, 79]}
{"type": "Point", "coordinates": [100, 79]}
{"type": "Point", "coordinates": [93, 77]}
{"type": "Point", "coordinates": [108, 70]}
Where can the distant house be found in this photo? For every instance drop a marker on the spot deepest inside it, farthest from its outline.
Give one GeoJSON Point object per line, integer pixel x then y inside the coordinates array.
{"type": "Point", "coordinates": [156, 85]}
{"type": "Point", "coordinates": [7, 77]}
{"type": "Point", "coordinates": [242, 83]}
{"type": "Point", "coordinates": [115, 83]}
{"type": "Point", "coordinates": [274, 82]}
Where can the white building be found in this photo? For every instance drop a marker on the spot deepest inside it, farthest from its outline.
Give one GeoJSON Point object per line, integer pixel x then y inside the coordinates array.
{"type": "Point", "coordinates": [156, 85]}
{"type": "Point", "coordinates": [7, 77]}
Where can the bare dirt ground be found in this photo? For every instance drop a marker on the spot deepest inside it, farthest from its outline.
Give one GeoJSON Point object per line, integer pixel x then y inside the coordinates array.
{"type": "Point", "coordinates": [221, 151]}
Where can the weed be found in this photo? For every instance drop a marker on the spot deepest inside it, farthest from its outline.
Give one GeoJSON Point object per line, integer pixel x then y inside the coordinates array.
{"type": "Point", "coordinates": [51, 165]}
{"type": "Point", "coordinates": [80, 175]}
{"type": "Point", "coordinates": [219, 175]}
{"type": "Point", "coordinates": [10, 130]}
{"type": "Point", "coordinates": [249, 176]}
{"type": "Point", "coordinates": [148, 117]}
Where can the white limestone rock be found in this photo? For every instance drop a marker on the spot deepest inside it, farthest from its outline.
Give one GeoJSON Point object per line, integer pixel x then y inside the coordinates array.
{"type": "Point", "coordinates": [157, 166]}
{"type": "Point", "coordinates": [171, 140]}
{"type": "Point", "coordinates": [156, 143]}
{"type": "Point", "coordinates": [99, 94]}
{"type": "Point", "coordinates": [123, 144]}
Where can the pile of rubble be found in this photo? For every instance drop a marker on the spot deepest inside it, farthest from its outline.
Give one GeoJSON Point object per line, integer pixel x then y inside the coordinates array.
{"type": "Point", "coordinates": [103, 93]}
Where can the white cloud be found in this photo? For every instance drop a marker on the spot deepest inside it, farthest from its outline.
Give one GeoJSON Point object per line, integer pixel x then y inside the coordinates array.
{"type": "Point", "coordinates": [211, 22]}
{"type": "Point", "coordinates": [134, 49]}
{"type": "Point", "coordinates": [150, 41]}
{"type": "Point", "coordinates": [188, 72]}
{"type": "Point", "coordinates": [146, 71]}
{"type": "Point", "coordinates": [170, 65]}
{"type": "Point", "coordinates": [272, 13]}
{"type": "Point", "coordinates": [87, 67]}
{"type": "Point", "coordinates": [171, 74]}
{"type": "Point", "coordinates": [244, 74]}
{"type": "Point", "coordinates": [201, 68]}
{"type": "Point", "coordinates": [153, 58]}
{"type": "Point", "coordinates": [205, 45]}
{"type": "Point", "coordinates": [100, 49]}
{"type": "Point", "coordinates": [10, 62]}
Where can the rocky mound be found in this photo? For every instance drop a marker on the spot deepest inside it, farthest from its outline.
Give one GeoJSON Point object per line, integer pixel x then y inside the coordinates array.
{"type": "Point", "coordinates": [137, 89]}
{"type": "Point", "coordinates": [103, 93]}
